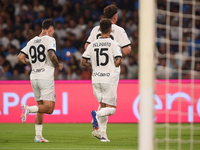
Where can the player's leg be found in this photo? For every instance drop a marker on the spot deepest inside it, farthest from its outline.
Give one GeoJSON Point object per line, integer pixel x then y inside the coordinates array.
{"type": "Point", "coordinates": [97, 133]}
{"type": "Point", "coordinates": [97, 92]}
{"type": "Point", "coordinates": [99, 107]}
{"type": "Point", "coordinates": [109, 100]}
{"type": "Point", "coordinates": [106, 110]}
{"type": "Point", "coordinates": [39, 120]}
{"type": "Point", "coordinates": [103, 122]}
{"type": "Point", "coordinates": [38, 124]}
{"type": "Point", "coordinates": [43, 90]}
{"type": "Point", "coordinates": [31, 109]}
{"type": "Point", "coordinates": [44, 93]}
{"type": "Point", "coordinates": [47, 107]}
{"type": "Point", "coordinates": [108, 107]}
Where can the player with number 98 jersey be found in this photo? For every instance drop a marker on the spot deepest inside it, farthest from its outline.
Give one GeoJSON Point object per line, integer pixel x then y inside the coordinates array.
{"type": "Point", "coordinates": [102, 52]}
{"type": "Point", "coordinates": [37, 52]}
{"type": "Point", "coordinates": [41, 55]}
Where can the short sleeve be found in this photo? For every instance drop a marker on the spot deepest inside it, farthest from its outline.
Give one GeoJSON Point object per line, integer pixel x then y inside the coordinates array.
{"type": "Point", "coordinates": [116, 50]}
{"type": "Point", "coordinates": [123, 39]}
{"type": "Point", "coordinates": [52, 44]}
{"type": "Point", "coordinates": [86, 54]}
{"type": "Point", "coordinates": [92, 36]}
{"type": "Point", "coordinates": [25, 50]}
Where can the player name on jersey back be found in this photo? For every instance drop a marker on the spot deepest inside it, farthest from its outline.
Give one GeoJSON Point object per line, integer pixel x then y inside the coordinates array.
{"type": "Point", "coordinates": [101, 44]}
{"type": "Point", "coordinates": [37, 41]}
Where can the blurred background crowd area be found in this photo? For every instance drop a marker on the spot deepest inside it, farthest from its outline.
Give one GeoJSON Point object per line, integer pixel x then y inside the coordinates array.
{"type": "Point", "coordinates": [20, 20]}
{"type": "Point", "coordinates": [178, 39]}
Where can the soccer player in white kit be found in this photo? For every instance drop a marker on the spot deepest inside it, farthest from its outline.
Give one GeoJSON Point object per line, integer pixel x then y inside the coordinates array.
{"type": "Point", "coordinates": [40, 53]}
{"type": "Point", "coordinates": [105, 56]}
{"type": "Point", "coordinates": [117, 34]}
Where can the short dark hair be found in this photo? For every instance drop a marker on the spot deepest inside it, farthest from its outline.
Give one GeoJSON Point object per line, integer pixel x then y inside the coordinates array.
{"type": "Point", "coordinates": [105, 25]}
{"type": "Point", "coordinates": [110, 11]}
{"type": "Point", "coordinates": [47, 23]}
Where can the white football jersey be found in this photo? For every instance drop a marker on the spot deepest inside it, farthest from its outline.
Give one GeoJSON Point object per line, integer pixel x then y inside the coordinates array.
{"type": "Point", "coordinates": [37, 52]}
{"type": "Point", "coordinates": [117, 34]}
{"type": "Point", "coordinates": [101, 53]}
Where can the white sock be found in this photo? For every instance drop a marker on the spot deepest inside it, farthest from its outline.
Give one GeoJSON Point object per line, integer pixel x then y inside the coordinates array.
{"type": "Point", "coordinates": [33, 109]}
{"type": "Point", "coordinates": [99, 108]}
{"type": "Point", "coordinates": [38, 130]}
{"type": "Point", "coordinates": [106, 111]}
{"type": "Point", "coordinates": [103, 125]}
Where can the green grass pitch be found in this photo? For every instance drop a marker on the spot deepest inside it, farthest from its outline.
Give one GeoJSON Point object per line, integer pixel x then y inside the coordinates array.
{"type": "Point", "coordinates": [67, 136]}
{"type": "Point", "coordinates": [78, 137]}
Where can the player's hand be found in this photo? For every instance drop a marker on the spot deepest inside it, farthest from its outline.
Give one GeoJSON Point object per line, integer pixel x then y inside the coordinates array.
{"type": "Point", "coordinates": [60, 66]}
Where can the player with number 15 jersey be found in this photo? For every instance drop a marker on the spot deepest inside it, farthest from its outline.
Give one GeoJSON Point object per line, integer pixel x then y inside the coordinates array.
{"type": "Point", "coordinates": [105, 56]}
{"type": "Point", "coordinates": [102, 52]}
{"type": "Point", "coordinates": [37, 52]}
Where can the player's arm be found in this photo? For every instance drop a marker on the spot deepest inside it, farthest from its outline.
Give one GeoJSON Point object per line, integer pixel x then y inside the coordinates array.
{"type": "Point", "coordinates": [124, 41]}
{"type": "Point", "coordinates": [91, 37]}
{"type": "Point", "coordinates": [118, 61]}
{"type": "Point", "coordinates": [22, 58]}
{"type": "Point", "coordinates": [126, 50]}
{"type": "Point", "coordinates": [86, 45]}
{"type": "Point", "coordinates": [54, 59]}
{"type": "Point", "coordinates": [85, 62]}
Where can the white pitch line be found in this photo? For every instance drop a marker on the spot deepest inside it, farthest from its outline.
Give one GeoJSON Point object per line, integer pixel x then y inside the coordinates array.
{"type": "Point", "coordinates": [66, 131]}
{"type": "Point", "coordinates": [68, 148]}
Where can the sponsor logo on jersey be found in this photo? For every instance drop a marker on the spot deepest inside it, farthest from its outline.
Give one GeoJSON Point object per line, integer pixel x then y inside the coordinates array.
{"type": "Point", "coordinates": [54, 45]}
{"type": "Point", "coordinates": [99, 74]}
{"type": "Point", "coordinates": [38, 70]}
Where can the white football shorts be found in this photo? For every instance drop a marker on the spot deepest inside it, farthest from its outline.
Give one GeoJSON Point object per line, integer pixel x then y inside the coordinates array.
{"type": "Point", "coordinates": [105, 93]}
{"type": "Point", "coordinates": [43, 89]}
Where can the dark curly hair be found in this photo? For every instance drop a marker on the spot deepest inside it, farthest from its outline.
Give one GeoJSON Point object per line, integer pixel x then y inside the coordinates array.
{"type": "Point", "coordinates": [105, 25]}
{"type": "Point", "coordinates": [47, 23]}
{"type": "Point", "coordinates": [110, 11]}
